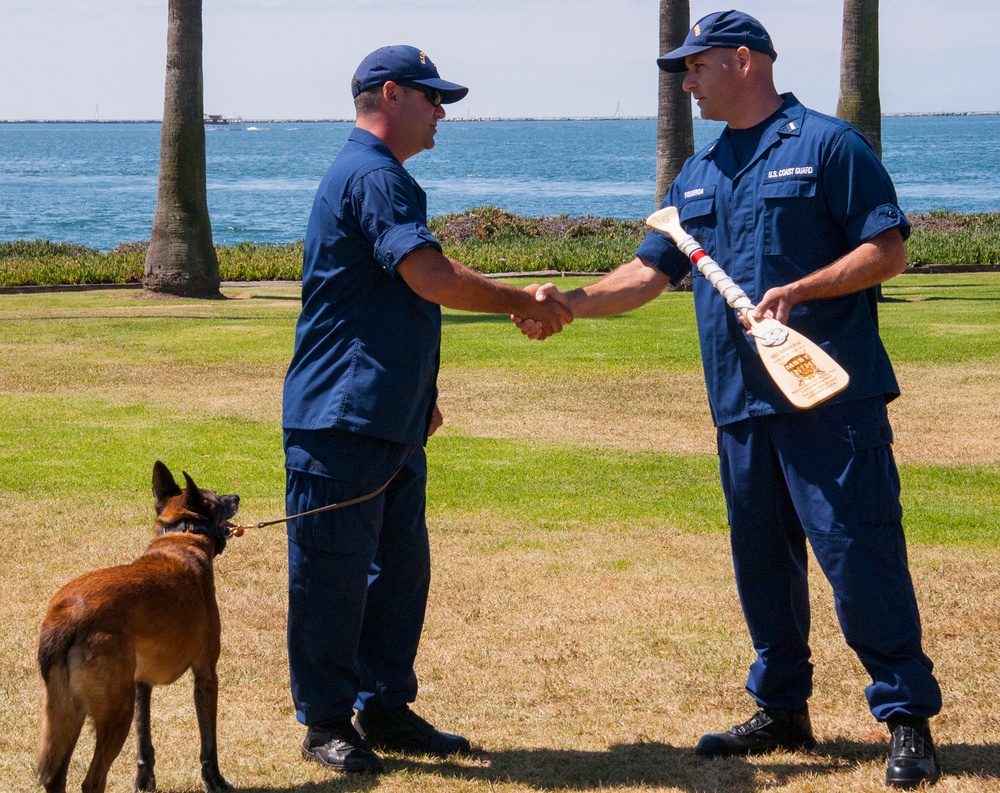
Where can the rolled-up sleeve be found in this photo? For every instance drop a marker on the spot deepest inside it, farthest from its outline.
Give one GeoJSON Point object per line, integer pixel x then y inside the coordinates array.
{"type": "Point", "coordinates": [392, 215]}
{"type": "Point", "coordinates": [859, 190]}
{"type": "Point", "coordinates": [398, 242]}
{"type": "Point", "coordinates": [659, 251]}
{"type": "Point", "coordinates": [882, 218]}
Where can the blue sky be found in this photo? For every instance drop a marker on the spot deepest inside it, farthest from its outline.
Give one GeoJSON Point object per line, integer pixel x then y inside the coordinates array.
{"type": "Point", "coordinates": [72, 59]}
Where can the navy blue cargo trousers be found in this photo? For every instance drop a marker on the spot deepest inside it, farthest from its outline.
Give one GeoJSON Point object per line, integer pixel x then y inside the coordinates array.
{"type": "Point", "coordinates": [826, 476]}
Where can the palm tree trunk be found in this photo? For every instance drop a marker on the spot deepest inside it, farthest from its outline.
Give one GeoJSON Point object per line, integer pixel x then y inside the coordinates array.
{"type": "Point", "coordinates": [859, 101]}
{"type": "Point", "coordinates": [674, 127]}
{"type": "Point", "coordinates": [181, 259]}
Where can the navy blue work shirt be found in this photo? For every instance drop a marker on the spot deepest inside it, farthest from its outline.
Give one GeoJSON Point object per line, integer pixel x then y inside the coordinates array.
{"type": "Point", "coordinates": [367, 347]}
{"type": "Point", "coordinates": [812, 192]}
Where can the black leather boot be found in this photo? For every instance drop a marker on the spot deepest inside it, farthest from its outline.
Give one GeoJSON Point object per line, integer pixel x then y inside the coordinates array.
{"type": "Point", "coordinates": [768, 729]}
{"type": "Point", "coordinates": [912, 759]}
{"type": "Point", "coordinates": [338, 746]}
{"type": "Point", "coordinates": [402, 730]}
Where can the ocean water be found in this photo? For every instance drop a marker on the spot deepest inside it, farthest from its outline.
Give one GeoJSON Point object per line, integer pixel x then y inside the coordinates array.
{"type": "Point", "coordinates": [95, 184]}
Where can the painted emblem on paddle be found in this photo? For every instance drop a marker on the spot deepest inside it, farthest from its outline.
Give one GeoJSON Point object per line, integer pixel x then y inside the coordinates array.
{"type": "Point", "coordinates": [803, 367]}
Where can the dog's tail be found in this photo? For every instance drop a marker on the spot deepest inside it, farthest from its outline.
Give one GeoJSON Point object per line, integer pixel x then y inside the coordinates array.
{"type": "Point", "coordinates": [62, 714]}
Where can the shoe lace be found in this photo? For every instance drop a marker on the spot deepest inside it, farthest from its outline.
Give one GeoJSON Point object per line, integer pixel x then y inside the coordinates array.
{"type": "Point", "coordinates": [757, 721]}
{"type": "Point", "coordinates": [909, 740]}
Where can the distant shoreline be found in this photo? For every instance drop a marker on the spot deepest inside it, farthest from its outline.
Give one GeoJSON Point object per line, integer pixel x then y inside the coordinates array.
{"type": "Point", "coordinates": [446, 119]}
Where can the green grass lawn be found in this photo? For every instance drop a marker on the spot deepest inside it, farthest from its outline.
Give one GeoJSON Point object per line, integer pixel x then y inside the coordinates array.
{"type": "Point", "coordinates": [98, 385]}
{"type": "Point", "coordinates": [583, 627]}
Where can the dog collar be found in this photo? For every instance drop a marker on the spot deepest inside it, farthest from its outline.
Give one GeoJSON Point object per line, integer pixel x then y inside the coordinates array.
{"type": "Point", "coordinates": [208, 528]}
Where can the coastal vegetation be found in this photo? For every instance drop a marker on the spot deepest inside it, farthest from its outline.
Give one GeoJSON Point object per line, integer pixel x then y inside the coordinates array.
{"type": "Point", "coordinates": [487, 239]}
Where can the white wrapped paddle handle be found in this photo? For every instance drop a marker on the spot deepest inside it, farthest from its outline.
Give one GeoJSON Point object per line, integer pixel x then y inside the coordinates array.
{"type": "Point", "coordinates": [735, 297]}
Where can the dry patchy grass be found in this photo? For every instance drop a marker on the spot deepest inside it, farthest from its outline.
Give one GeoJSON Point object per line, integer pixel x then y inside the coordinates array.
{"type": "Point", "coordinates": [579, 659]}
{"type": "Point", "coordinates": [644, 411]}
{"type": "Point", "coordinates": [582, 658]}
{"type": "Point", "coordinates": [946, 415]}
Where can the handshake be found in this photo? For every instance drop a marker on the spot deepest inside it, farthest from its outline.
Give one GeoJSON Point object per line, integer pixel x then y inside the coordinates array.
{"type": "Point", "coordinates": [550, 315]}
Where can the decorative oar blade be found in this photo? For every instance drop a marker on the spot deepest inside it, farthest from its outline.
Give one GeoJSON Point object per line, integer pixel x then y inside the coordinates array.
{"type": "Point", "coordinates": [803, 370]}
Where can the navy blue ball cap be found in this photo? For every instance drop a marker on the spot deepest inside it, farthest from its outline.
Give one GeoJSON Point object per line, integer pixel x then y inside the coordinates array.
{"type": "Point", "coordinates": [403, 64]}
{"type": "Point", "coordinates": [729, 29]}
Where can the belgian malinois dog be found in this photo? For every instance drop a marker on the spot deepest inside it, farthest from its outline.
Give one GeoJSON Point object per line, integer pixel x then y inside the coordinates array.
{"type": "Point", "coordinates": [109, 636]}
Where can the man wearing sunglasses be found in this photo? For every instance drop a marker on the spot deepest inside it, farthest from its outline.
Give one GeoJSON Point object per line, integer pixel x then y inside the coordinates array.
{"type": "Point", "coordinates": [360, 401]}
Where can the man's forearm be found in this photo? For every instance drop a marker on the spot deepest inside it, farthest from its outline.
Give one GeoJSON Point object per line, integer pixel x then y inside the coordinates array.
{"type": "Point", "coordinates": [448, 283]}
{"type": "Point", "coordinates": [628, 287]}
{"type": "Point", "coordinates": [870, 264]}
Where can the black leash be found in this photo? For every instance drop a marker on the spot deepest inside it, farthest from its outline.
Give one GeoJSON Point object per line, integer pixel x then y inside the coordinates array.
{"type": "Point", "coordinates": [237, 531]}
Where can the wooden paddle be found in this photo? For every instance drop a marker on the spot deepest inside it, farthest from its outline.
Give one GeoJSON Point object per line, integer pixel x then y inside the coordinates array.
{"type": "Point", "coordinates": [803, 371]}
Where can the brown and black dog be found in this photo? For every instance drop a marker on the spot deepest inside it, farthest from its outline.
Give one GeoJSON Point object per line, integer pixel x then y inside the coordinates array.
{"type": "Point", "coordinates": [109, 636]}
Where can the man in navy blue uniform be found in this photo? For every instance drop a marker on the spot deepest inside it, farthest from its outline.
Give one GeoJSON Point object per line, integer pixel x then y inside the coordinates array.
{"type": "Point", "coordinates": [360, 401]}
{"type": "Point", "coordinates": [798, 209]}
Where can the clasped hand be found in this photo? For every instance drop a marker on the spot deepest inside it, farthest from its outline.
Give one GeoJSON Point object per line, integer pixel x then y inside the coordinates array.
{"type": "Point", "coordinates": [551, 302]}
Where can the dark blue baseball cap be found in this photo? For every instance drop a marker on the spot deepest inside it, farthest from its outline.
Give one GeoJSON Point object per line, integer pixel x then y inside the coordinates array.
{"type": "Point", "coordinates": [402, 65]}
{"type": "Point", "coordinates": [729, 29]}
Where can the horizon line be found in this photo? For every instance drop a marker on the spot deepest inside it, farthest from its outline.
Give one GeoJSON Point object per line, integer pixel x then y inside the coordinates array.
{"type": "Point", "coordinates": [446, 119]}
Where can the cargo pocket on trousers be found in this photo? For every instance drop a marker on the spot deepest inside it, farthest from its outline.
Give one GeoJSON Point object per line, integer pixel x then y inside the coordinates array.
{"type": "Point", "coordinates": [873, 476]}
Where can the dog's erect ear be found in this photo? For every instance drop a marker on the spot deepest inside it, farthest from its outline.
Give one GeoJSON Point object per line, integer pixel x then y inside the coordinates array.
{"type": "Point", "coordinates": [195, 498]}
{"type": "Point", "coordinates": [164, 486]}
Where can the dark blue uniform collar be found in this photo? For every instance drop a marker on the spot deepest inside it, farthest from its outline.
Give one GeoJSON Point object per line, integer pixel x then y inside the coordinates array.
{"type": "Point", "coordinates": [790, 117]}
{"type": "Point", "coordinates": [787, 123]}
{"type": "Point", "coordinates": [372, 141]}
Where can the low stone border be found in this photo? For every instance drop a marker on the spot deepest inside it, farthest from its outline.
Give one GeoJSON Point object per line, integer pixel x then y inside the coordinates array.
{"type": "Point", "coordinates": [952, 268]}
{"type": "Point", "coordinates": [929, 269]}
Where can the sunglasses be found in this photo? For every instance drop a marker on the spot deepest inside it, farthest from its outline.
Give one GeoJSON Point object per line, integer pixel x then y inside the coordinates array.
{"type": "Point", "coordinates": [433, 95]}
